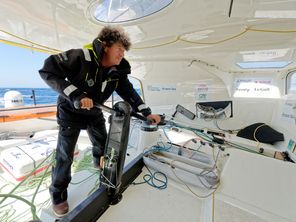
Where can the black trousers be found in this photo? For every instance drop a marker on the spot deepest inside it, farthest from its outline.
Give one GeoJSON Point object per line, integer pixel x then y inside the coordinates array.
{"type": "Point", "coordinates": [67, 139]}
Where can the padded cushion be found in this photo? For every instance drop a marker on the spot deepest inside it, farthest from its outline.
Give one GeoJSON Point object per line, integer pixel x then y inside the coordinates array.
{"type": "Point", "coordinates": [262, 133]}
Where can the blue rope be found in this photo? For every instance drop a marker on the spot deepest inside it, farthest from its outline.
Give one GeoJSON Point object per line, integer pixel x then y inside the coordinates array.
{"type": "Point", "coordinates": [156, 149]}
{"type": "Point", "coordinates": [160, 145]}
{"type": "Point", "coordinates": [150, 179]}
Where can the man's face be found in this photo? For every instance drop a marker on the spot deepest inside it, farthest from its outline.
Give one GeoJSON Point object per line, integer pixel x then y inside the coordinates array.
{"type": "Point", "coordinates": [114, 54]}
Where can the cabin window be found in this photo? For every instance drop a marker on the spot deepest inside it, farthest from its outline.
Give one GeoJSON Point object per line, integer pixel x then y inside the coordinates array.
{"type": "Point", "coordinates": [291, 83]}
{"type": "Point", "coordinates": [21, 83]}
{"type": "Point", "coordinates": [137, 86]}
{"type": "Point", "coordinates": [125, 10]}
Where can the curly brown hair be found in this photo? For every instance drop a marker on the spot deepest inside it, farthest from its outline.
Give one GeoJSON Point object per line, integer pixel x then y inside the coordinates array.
{"type": "Point", "coordinates": [112, 34]}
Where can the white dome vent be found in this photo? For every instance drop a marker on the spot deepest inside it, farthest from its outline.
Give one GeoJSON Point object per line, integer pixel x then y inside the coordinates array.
{"type": "Point", "coordinates": [13, 98]}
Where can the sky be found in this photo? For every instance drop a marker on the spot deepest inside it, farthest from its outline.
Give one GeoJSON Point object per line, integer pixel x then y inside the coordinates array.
{"type": "Point", "coordinates": [19, 67]}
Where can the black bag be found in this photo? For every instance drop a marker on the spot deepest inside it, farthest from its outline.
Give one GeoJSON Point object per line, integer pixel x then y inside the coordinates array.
{"type": "Point", "coordinates": [261, 132]}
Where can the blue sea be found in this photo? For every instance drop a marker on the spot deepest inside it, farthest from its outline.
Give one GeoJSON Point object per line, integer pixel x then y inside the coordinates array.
{"type": "Point", "coordinates": [42, 95]}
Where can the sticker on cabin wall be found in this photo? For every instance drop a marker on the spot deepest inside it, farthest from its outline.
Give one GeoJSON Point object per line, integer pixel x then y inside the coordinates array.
{"type": "Point", "coordinates": [291, 145]}
{"type": "Point", "coordinates": [202, 96]}
{"type": "Point", "coordinates": [161, 88]}
{"type": "Point", "coordinates": [202, 90]}
{"type": "Point", "coordinates": [288, 114]}
{"type": "Point", "coordinates": [255, 87]}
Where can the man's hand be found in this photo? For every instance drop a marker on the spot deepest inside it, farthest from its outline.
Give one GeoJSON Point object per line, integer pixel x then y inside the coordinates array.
{"type": "Point", "coordinates": [86, 103]}
{"type": "Point", "coordinates": [155, 118]}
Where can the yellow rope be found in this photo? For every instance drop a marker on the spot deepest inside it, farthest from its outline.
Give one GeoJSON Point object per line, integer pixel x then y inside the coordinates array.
{"type": "Point", "coordinates": [43, 48]}
{"type": "Point", "coordinates": [272, 31]}
{"type": "Point", "coordinates": [33, 43]}
{"type": "Point", "coordinates": [27, 46]}
{"type": "Point", "coordinates": [217, 42]}
{"type": "Point", "coordinates": [158, 45]}
{"type": "Point", "coordinates": [254, 134]}
{"type": "Point", "coordinates": [179, 38]}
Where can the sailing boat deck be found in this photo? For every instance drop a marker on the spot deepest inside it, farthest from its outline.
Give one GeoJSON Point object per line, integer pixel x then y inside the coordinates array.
{"type": "Point", "coordinates": [252, 188]}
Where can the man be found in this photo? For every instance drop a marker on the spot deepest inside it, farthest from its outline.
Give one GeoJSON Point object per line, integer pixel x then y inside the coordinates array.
{"type": "Point", "coordinates": [89, 76]}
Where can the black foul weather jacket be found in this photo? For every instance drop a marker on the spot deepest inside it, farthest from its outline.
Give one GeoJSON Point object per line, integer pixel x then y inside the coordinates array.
{"type": "Point", "coordinates": [76, 74]}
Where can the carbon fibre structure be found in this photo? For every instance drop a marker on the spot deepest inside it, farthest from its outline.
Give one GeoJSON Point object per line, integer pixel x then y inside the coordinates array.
{"type": "Point", "coordinates": [114, 179]}
{"type": "Point", "coordinates": [115, 149]}
{"type": "Point", "coordinates": [96, 204]}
